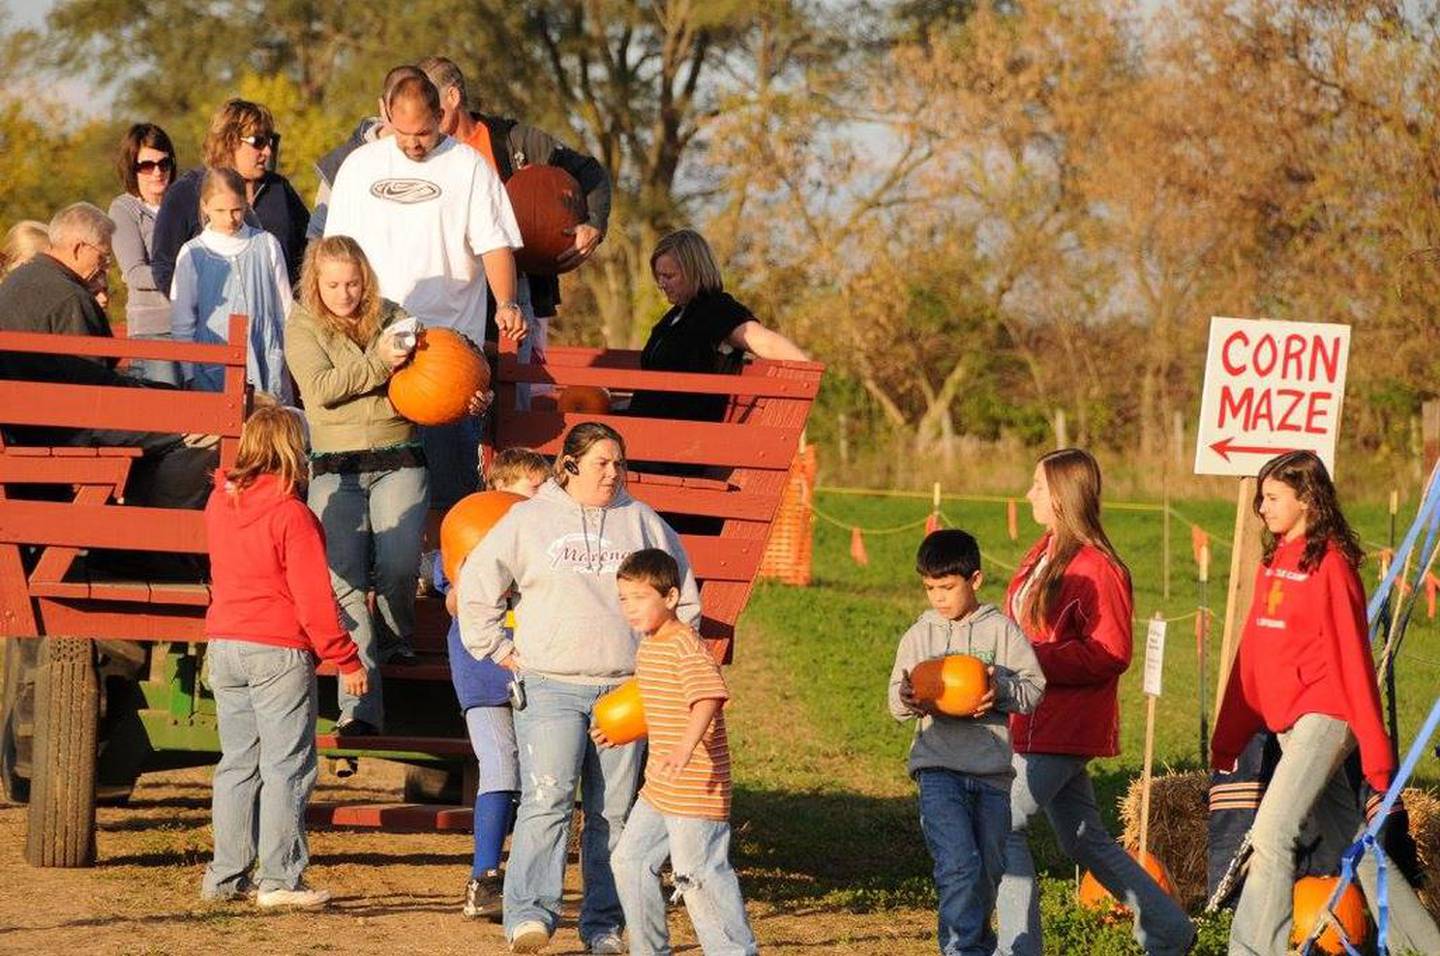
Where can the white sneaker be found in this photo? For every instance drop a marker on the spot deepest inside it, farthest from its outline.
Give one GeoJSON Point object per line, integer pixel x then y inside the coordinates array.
{"type": "Point", "coordinates": [529, 937]}
{"type": "Point", "coordinates": [302, 897]}
{"type": "Point", "coordinates": [607, 943]}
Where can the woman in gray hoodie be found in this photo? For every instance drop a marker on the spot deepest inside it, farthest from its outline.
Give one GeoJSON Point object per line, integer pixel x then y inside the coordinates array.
{"type": "Point", "coordinates": [146, 164]}
{"type": "Point", "coordinates": [560, 550]}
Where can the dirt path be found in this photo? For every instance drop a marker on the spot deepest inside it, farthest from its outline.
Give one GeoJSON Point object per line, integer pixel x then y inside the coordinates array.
{"type": "Point", "coordinates": [395, 893]}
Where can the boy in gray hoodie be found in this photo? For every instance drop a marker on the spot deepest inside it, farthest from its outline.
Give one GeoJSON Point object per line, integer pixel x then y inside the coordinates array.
{"type": "Point", "coordinates": [962, 765]}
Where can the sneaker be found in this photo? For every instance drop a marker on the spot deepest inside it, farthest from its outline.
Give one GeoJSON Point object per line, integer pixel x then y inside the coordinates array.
{"type": "Point", "coordinates": [242, 890]}
{"type": "Point", "coordinates": [485, 897]}
{"type": "Point", "coordinates": [351, 727]}
{"type": "Point", "coordinates": [607, 943]}
{"type": "Point", "coordinates": [302, 897]}
{"type": "Point", "coordinates": [529, 937]}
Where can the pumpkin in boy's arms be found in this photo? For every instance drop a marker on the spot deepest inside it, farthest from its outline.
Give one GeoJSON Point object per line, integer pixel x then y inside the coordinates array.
{"type": "Point", "coordinates": [1312, 893]}
{"type": "Point", "coordinates": [435, 384]}
{"type": "Point", "coordinates": [584, 400]}
{"type": "Point", "coordinates": [1095, 897]}
{"type": "Point", "coordinates": [547, 202]}
{"type": "Point", "coordinates": [469, 520]}
{"type": "Point", "coordinates": [953, 684]}
{"type": "Point", "coordinates": [620, 714]}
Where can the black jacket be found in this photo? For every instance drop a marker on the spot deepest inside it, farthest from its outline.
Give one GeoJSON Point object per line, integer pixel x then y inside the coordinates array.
{"type": "Point", "coordinates": [277, 209]}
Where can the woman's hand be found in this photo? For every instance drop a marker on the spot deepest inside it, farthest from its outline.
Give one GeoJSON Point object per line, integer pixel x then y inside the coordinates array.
{"type": "Point", "coordinates": [452, 601]}
{"type": "Point", "coordinates": [356, 683]}
{"type": "Point", "coordinates": [669, 766]}
{"type": "Point", "coordinates": [391, 352]}
{"type": "Point", "coordinates": [479, 402]}
{"type": "Point", "coordinates": [511, 663]}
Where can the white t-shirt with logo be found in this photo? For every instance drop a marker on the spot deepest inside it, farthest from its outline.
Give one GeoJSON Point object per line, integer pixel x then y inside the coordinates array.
{"type": "Point", "coordinates": [424, 226]}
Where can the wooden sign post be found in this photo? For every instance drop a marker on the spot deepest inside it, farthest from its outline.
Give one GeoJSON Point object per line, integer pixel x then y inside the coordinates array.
{"type": "Point", "coordinates": [1154, 669]}
{"type": "Point", "coordinates": [1270, 388]}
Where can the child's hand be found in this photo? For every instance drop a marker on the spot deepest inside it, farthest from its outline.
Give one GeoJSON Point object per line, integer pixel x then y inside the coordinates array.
{"type": "Point", "coordinates": [908, 698]}
{"type": "Point", "coordinates": [601, 741]}
{"type": "Point", "coordinates": [669, 766]}
{"type": "Point", "coordinates": [987, 703]}
{"type": "Point", "coordinates": [356, 683]}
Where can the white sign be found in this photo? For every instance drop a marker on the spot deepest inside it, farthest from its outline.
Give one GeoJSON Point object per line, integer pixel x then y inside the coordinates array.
{"type": "Point", "coordinates": [1154, 657]}
{"type": "Point", "coordinates": [1270, 387]}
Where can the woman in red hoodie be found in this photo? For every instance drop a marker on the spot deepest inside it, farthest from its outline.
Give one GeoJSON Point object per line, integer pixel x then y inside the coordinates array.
{"type": "Point", "coordinates": [1071, 596]}
{"type": "Point", "coordinates": [1304, 670]}
{"type": "Point", "coordinates": [271, 614]}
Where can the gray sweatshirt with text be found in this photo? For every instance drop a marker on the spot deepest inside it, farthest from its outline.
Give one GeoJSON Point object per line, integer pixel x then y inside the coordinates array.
{"type": "Point", "coordinates": [562, 558]}
{"type": "Point", "coordinates": [978, 746]}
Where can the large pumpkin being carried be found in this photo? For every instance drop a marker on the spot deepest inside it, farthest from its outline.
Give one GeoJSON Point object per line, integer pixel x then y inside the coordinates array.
{"type": "Point", "coordinates": [469, 520]}
{"type": "Point", "coordinates": [547, 201]}
{"type": "Point", "coordinates": [620, 714]}
{"type": "Point", "coordinates": [435, 385]}
{"type": "Point", "coordinates": [954, 684]}
{"type": "Point", "coordinates": [1312, 893]}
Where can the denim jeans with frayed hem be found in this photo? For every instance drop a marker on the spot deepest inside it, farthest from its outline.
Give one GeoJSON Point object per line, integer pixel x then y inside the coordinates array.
{"type": "Point", "coordinates": [699, 853]}
{"type": "Point", "coordinates": [1060, 785]}
{"type": "Point", "coordinates": [265, 709]}
{"type": "Point", "coordinates": [965, 823]}
{"type": "Point", "coordinates": [1309, 785]}
{"type": "Point", "coordinates": [553, 735]}
{"type": "Point", "coordinates": [373, 522]}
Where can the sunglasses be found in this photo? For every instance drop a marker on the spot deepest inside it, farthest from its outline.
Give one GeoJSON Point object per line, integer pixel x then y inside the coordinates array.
{"type": "Point", "coordinates": [155, 165]}
{"type": "Point", "coordinates": [261, 142]}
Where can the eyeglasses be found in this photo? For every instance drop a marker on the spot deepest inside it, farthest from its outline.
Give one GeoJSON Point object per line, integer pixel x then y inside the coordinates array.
{"type": "Point", "coordinates": [155, 165]}
{"type": "Point", "coordinates": [105, 254]}
{"type": "Point", "coordinates": [261, 142]}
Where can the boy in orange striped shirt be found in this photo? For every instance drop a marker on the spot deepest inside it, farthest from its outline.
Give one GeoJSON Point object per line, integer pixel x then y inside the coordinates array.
{"type": "Point", "coordinates": [683, 812]}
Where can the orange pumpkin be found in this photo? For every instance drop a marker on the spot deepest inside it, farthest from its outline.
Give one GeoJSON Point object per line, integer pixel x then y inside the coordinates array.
{"type": "Point", "coordinates": [435, 385]}
{"type": "Point", "coordinates": [620, 713]}
{"type": "Point", "coordinates": [1095, 897]}
{"type": "Point", "coordinates": [1312, 893]}
{"type": "Point", "coordinates": [584, 400]}
{"type": "Point", "coordinates": [469, 520]}
{"type": "Point", "coordinates": [954, 684]}
{"type": "Point", "coordinates": [547, 201]}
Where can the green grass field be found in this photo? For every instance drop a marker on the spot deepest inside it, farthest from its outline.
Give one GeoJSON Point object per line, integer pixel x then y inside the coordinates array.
{"type": "Point", "coordinates": [832, 645]}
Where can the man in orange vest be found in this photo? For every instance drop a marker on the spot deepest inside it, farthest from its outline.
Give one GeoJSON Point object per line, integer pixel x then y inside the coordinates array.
{"type": "Point", "coordinates": [510, 145]}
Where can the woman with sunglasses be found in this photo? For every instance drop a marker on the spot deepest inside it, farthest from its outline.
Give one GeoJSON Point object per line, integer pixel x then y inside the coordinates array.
{"type": "Point", "coordinates": [241, 137]}
{"type": "Point", "coordinates": [146, 164]}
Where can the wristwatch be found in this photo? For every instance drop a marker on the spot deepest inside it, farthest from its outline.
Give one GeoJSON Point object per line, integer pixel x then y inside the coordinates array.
{"type": "Point", "coordinates": [503, 306]}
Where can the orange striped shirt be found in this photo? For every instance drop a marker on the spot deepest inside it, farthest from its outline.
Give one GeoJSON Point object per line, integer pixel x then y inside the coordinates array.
{"type": "Point", "coordinates": [674, 671]}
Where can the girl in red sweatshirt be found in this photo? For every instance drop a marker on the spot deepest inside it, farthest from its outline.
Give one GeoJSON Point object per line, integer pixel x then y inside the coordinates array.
{"type": "Point", "coordinates": [1304, 670]}
{"type": "Point", "coordinates": [1071, 596]}
{"type": "Point", "coordinates": [271, 614]}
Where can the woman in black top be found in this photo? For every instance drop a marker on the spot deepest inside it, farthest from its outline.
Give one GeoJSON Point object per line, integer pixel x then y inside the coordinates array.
{"type": "Point", "coordinates": [705, 330]}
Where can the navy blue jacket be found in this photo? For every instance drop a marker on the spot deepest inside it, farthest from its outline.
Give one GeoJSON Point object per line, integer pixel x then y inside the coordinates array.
{"type": "Point", "coordinates": [278, 210]}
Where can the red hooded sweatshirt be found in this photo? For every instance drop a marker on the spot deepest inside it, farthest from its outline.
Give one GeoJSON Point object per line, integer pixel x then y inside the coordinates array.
{"type": "Point", "coordinates": [1083, 649]}
{"type": "Point", "coordinates": [1305, 650]}
{"type": "Point", "coordinates": [270, 580]}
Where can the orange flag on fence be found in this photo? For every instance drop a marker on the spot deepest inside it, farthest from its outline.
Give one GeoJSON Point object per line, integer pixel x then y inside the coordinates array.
{"type": "Point", "coordinates": [1199, 538]}
{"type": "Point", "coordinates": [1432, 584]}
{"type": "Point", "coordinates": [857, 548]}
{"type": "Point", "coordinates": [1012, 520]}
{"type": "Point", "coordinates": [932, 523]}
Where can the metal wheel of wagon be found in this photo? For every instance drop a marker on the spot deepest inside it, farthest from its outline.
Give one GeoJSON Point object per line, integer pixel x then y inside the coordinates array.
{"type": "Point", "coordinates": [62, 782]}
{"type": "Point", "coordinates": [17, 718]}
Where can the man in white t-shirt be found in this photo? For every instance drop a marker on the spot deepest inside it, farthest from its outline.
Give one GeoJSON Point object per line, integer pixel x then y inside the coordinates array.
{"type": "Point", "coordinates": [432, 217]}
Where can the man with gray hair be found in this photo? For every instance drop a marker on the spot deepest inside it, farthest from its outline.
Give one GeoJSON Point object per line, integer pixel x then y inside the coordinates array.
{"type": "Point", "coordinates": [51, 293]}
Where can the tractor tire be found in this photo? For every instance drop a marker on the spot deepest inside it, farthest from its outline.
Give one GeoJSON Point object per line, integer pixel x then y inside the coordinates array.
{"type": "Point", "coordinates": [17, 718]}
{"type": "Point", "coordinates": [62, 783]}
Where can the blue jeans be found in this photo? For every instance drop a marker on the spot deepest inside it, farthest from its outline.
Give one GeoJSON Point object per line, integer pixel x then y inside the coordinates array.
{"type": "Point", "coordinates": [556, 752]}
{"type": "Point", "coordinates": [699, 851]}
{"type": "Point", "coordinates": [1059, 785]}
{"type": "Point", "coordinates": [965, 823]}
{"type": "Point", "coordinates": [1309, 785]}
{"type": "Point", "coordinates": [265, 707]}
{"type": "Point", "coordinates": [492, 737]}
{"type": "Point", "coordinates": [155, 370]}
{"type": "Point", "coordinates": [373, 521]}
{"type": "Point", "coordinates": [452, 453]}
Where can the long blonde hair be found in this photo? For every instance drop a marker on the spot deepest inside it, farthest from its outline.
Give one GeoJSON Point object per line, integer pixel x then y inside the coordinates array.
{"type": "Point", "coordinates": [362, 325]}
{"type": "Point", "coordinates": [1072, 477]}
{"type": "Point", "coordinates": [271, 443]}
{"type": "Point", "coordinates": [23, 242]}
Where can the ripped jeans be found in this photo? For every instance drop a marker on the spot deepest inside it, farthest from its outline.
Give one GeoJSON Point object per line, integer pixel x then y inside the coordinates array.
{"type": "Point", "coordinates": [699, 852]}
{"type": "Point", "coordinates": [552, 734]}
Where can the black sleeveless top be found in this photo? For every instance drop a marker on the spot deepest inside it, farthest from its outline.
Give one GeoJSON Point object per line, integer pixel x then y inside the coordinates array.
{"type": "Point", "coordinates": [691, 338]}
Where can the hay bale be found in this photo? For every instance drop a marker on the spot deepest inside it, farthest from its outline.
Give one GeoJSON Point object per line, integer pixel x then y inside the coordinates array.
{"type": "Point", "coordinates": [1424, 809]}
{"type": "Point", "coordinates": [1179, 820]}
{"type": "Point", "coordinates": [1179, 829]}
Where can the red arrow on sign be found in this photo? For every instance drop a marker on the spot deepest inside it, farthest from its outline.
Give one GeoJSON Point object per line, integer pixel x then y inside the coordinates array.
{"type": "Point", "coordinates": [1225, 446]}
